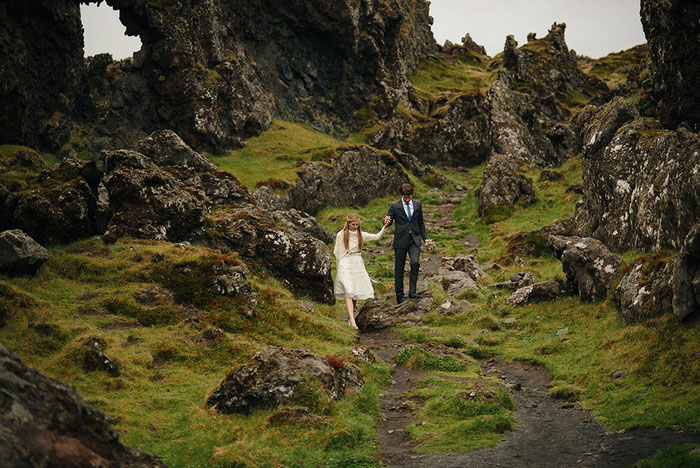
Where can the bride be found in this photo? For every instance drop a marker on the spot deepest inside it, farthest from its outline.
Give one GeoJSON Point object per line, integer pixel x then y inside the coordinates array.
{"type": "Point", "coordinates": [352, 282]}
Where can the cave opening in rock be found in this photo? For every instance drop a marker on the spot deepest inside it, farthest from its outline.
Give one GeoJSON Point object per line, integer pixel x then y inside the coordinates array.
{"type": "Point", "coordinates": [103, 32]}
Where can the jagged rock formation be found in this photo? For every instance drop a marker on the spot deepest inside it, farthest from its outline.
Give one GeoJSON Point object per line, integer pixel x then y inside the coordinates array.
{"type": "Point", "coordinates": [671, 28]}
{"type": "Point", "coordinates": [273, 376]}
{"type": "Point", "coordinates": [215, 72]}
{"type": "Point", "coordinates": [645, 291]}
{"type": "Point", "coordinates": [20, 254]}
{"type": "Point", "coordinates": [45, 423]}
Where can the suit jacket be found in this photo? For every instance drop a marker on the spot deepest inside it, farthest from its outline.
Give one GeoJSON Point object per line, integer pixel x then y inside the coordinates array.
{"type": "Point", "coordinates": [407, 232]}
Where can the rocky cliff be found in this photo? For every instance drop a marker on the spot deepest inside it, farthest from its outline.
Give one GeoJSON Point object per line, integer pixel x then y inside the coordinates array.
{"type": "Point", "coordinates": [672, 29]}
{"type": "Point", "coordinates": [216, 72]}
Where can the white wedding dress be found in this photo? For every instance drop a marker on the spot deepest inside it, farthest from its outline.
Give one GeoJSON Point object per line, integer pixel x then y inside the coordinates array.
{"type": "Point", "coordinates": [351, 278]}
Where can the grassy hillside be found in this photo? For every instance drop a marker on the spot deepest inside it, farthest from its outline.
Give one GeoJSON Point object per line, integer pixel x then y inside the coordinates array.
{"type": "Point", "coordinates": [146, 299]}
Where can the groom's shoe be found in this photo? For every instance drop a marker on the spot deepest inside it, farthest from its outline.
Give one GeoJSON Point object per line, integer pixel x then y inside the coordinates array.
{"type": "Point", "coordinates": [401, 299]}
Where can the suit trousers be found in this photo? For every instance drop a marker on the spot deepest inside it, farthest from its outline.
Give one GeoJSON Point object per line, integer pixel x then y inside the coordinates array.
{"type": "Point", "coordinates": [413, 252]}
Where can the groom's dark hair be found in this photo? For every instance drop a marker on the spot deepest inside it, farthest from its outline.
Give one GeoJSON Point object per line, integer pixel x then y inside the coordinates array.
{"type": "Point", "coordinates": [407, 189]}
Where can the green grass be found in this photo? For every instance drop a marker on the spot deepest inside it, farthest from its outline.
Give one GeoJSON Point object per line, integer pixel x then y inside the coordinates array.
{"type": "Point", "coordinates": [613, 68]}
{"type": "Point", "coordinates": [275, 155]}
{"type": "Point", "coordinates": [461, 415]}
{"type": "Point", "coordinates": [673, 456]}
{"type": "Point", "coordinates": [167, 369]}
{"type": "Point", "coordinates": [441, 76]}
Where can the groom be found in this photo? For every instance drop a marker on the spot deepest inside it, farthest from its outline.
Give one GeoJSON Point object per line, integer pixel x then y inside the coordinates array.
{"type": "Point", "coordinates": [408, 236]}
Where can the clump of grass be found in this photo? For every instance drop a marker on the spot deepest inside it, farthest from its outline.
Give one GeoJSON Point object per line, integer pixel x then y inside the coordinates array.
{"type": "Point", "coordinates": [419, 358]}
{"type": "Point", "coordinates": [460, 417]}
{"type": "Point", "coordinates": [489, 322]}
{"type": "Point", "coordinates": [565, 391]}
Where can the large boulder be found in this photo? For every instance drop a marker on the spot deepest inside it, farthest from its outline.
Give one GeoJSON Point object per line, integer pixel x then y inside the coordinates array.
{"type": "Point", "coordinates": [61, 205]}
{"type": "Point", "coordinates": [671, 29]}
{"type": "Point", "coordinates": [589, 266]}
{"type": "Point", "coordinates": [502, 186]}
{"type": "Point", "coordinates": [645, 291]}
{"type": "Point", "coordinates": [374, 315]}
{"type": "Point", "coordinates": [641, 190]}
{"type": "Point", "coordinates": [304, 263]}
{"type": "Point", "coordinates": [356, 176]}
{"type": "Point", "coordinates": [20, 254]}
{"type": "Point", "coordinates": [272, 377]}
{"type": "Point", "coordinates": [46, 423]}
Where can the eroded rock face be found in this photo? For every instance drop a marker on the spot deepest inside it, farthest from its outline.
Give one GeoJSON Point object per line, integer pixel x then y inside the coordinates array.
{"type": "Point", "coordinates": [46, 423]}
{"type": "Point", "coordinates": [589, 266]}
{"type": "Point", "coordinates": [271, 378]}
{"type": "Point", "coordinates": [216, 72]}
{"type": "Point", "coordinates": [641, 190]}
{"type": "Point", "coordinates": [686, 277]}
{"type": "Point", "coordinates": [671, 28]}
{"type": "Point", "coordinates": [20, 254]}
{"type": "Point", "coordinates": [502, 186]}
{"type": "Point", "coordinates": [355, 177]}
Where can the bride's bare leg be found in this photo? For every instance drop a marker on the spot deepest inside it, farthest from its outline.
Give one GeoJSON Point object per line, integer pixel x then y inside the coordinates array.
{"type": "Point", "coordinates": [350, 306]}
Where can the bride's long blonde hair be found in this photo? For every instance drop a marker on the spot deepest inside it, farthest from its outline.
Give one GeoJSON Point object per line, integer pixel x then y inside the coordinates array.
{"type": "Point", "coordinates": [352, 218]}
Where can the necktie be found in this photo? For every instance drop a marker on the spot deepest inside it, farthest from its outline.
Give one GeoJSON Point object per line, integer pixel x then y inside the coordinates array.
{"type": "Point", "coordinates": [408, 210]}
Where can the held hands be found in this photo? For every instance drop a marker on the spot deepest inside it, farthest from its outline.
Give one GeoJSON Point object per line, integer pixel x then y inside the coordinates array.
{"type": "Point", "coordinates": [387, 220]}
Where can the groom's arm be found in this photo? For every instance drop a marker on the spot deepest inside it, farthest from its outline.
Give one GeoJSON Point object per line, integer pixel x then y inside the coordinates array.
{"type": "Point", "coordinates": [390, 213]}
{"type": "Point", "coordinates": [421, 224]}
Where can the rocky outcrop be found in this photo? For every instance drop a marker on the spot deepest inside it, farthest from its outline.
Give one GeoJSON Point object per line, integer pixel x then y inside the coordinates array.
{"type": "Point", "coordinates": [641, 189]}
{"type": "Point", "coordinates": [215, 72]}
{"type": "Point", "coordinates": [303, 263]}
{"type": "Point", "coordinates": [457, 136]}
{"type": "Point", "coordinates": [671, 28]}
{"type": "Point", "coordinates": [271, 378]}
{"type": "Point", "coordinates": [20, 254]}
{"type": "Point", "coordinates": [60, 205]}
{"type": "Point", "coordinates": [534, 243]}
{"type": "Point", "coordinates": [46, 423]}
{"type": "Point", "coordinates": [502, 186]}
{"type": "Point", "coordinates": [589, 266]}
{"type": "Point", "coordinates": [353, 178]}
{"type": "Point", "coordinates": [94, 357]}
{"type": "Point", "coordinates": [374, 315]}
{"type": "Point", "coordinates": [42, 70]}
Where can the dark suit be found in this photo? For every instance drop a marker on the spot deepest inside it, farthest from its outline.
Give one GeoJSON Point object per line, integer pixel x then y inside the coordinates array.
{"type": "Point", "coordinates": [408, 237]}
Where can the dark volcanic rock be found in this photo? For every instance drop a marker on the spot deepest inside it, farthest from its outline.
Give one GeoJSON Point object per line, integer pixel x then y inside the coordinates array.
{"type": "Point", "coordinates": [216, 72]}
{"type": "Point", "coordinates": [671, 28]}
{"type": "Point", "coordinates": [45, 423]}
{"type": "Point", "coordinates": [42, 44]}
{"type": "Point", "coordinates": [61, 205]}
{"type": "Point", "coordinates": [534, 243]}
{"type": "Point", "coordinates": [20, 254]}
{"type": "Point", "coordinates": [589, 266]}
{"type": "Point", "coordinates": [272, 377]}
{"type": "Point", "coordinates": [596, 126]}
{"type": "Point", "coordinates": [355, 177]}
{"type": "Point", "coordinates": [502, 187]}
{"type": "Point", "coordinates": [642, 190]}
{"type": "Point", "coordinates": [230, 280]}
